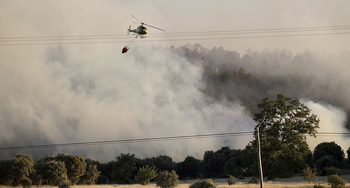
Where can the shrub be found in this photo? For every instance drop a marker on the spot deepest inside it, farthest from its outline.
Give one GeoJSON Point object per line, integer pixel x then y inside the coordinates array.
{"type": "Point", "coordinates": [167, 179]}
{"type": "Point", "coordinates": [336, 181]}
{"type": "Point", "coordinates": [253, 180]}
{"type": "Point", "coordinates": [309, 174]}
{"type": "Point", "coordinates": [64, 184]}
{"type": "Point", "coordinates": [331, 170]}
{"type": "Point", "coordinates": [146, 174]}
{"type": "Point", "coordinates": [318, 186]}
{"type": "Point", "coordinates": [208, 183]}
{"type": "Point", "coordinates": [231, 180]}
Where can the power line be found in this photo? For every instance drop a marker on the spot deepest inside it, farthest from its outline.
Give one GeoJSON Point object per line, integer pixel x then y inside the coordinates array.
{"type": "Point", "coordinates": [129, 140]}
{"type": "Point", "coordinates": [332, 134]}
{"type": "Point", "coordinates": [273, 30]}
{"type": "Point", "coordinates": [178, 36]}
{"type": "Point", "coordinates": [169, 40]}
{"type": "Point", "coordinates": [152, 139]}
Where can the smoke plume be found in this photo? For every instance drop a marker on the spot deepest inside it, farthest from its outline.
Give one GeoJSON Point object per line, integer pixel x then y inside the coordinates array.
{"type": "Point", "coordinates": [73, 94]}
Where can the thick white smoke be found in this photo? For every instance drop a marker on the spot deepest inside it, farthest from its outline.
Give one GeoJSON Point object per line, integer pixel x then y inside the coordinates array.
{"type": "Point", "coordinates": [332, 120]}
{"type": "Point", "coordinates": [72, 94]}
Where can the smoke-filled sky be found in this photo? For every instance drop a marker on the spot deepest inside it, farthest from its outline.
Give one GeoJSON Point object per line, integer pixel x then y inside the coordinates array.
{"type": "Point", "coordinates": [91, 92]}
{"type": "Point", "coordinates": [111, 17]}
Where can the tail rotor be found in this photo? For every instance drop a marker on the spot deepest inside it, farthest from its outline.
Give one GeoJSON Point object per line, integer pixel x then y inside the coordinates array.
{"type": "Point", "coordinates": [128, 32]}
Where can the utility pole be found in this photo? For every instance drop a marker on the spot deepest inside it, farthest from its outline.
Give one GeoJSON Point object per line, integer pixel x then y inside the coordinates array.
{"type": "Point", "coordinates": [259, 157]}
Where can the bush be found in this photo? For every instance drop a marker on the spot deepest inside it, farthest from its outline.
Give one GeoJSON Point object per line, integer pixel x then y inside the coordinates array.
{"type": "Point", "coordinates": [331, 170]}
{"type": "Point", "coordinates": [146, 174]}
{"type": "Point", "coordinates": [318, 186]}
{"type": "Point", "coordinates": [231, 180]}
{"type": "Point", "coordinates": [64, 184]}
{"type": "Point", "coordinates": [254, 181]}
{"type": "Point", "coordinates": [309, 175]}
{"type": "Point", "coordinates": [336, 181]}
{"type": "Point", "coordinates": [208, 183]}
{"type": "Point", "coordinates": [167, 179]}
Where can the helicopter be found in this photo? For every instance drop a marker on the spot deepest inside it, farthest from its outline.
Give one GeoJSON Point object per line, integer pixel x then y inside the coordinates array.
{"type": "Point", "coordinates": [141, 30]}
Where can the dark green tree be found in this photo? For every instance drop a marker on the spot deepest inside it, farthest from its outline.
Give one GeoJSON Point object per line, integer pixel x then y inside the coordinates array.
{"type": "Point", "coordinates": [164, 162]}
{"type": "Point", "coordinates": [50, 172]}
{"type": "Point", "coordinates": [91, 175]}
{"type": "Point", "coordinates": [325, 161]}
{"type": "Point", "coordinates": [106, 170]}
{"type": "Point", "coordinates": [47, 158]}
{"type": "Point", "coordinates": [249, 160]}
{"type": "Point", "coordinates": [284, 125]}
{"type": "Point", "coordinates": [124, 168]}
{"type": "Point", "coordinates": [213, 164]}
{"type": "Point", "coordinates": [329, 148]}
{"type": "Point", "coordinates": [234, 164]}
{"type": "Point", "coordinates": [309, 159]}
{"type": "Point", "coordinates": [74, 164]}
{"type": "Point", "coordinates": [22, 169]}
{"type": "Point", "coordinates": [189, 168]}
{"type": "Point", "coordinates": [5, 172]}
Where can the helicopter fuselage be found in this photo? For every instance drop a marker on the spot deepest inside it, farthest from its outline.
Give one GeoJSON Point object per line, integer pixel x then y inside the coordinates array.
{"type": "Point", "coordinates": [140, 30]}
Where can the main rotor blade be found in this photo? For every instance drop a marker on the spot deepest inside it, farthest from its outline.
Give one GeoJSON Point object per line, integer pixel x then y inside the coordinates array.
{"type": "Point", "coordinates": [155, 27]}
{"type": "Point", "coordinates": [136, 18]}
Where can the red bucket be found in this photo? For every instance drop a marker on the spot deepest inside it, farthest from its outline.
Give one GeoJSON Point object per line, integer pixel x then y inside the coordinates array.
{"type": "Point", "coordinates": [125, 49]}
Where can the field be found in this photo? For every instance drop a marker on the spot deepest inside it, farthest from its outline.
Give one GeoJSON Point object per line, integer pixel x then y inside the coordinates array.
{"type": "Point", "coordinates": [296, 182]}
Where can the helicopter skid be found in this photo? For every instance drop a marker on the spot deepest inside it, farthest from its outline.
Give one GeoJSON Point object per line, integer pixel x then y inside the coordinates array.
{"type": "Point", "coordinates": [141, 36]}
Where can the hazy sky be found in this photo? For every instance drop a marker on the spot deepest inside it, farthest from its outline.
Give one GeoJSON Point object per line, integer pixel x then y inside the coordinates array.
{"type": "Point", "coordinates": [92, 92]}
{"type": "Point", "coordinates": [108, 17]}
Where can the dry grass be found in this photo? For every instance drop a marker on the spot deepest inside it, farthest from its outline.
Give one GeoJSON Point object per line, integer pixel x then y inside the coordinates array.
{"type": "Point", "coordinates": [296, 182]}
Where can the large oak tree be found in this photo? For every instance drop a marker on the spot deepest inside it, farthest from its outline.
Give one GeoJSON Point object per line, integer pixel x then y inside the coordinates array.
{"type": "Point", "coordinates": [284, 125]}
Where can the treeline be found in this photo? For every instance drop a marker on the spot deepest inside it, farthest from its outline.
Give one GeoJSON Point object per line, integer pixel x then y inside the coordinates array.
{"type": "Point", "coordinates": [51, 170]}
